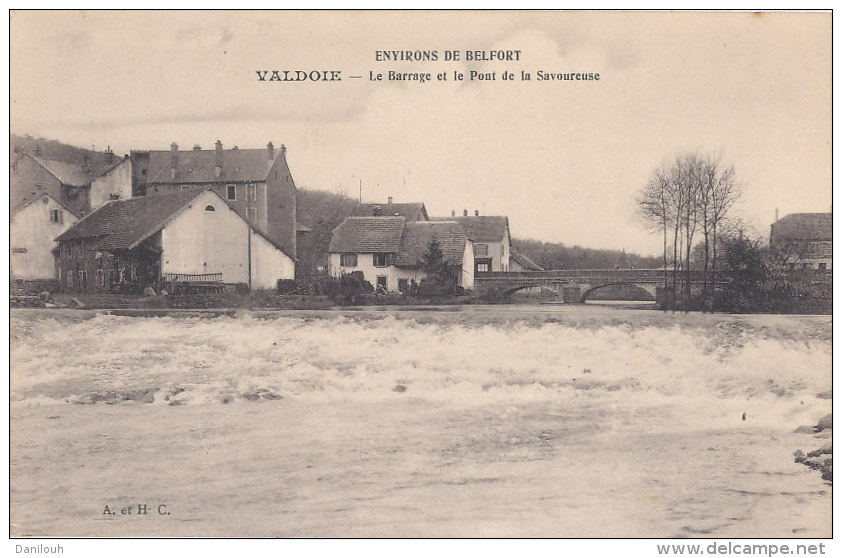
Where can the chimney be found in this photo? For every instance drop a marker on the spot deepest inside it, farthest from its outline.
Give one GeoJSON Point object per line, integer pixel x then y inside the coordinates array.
{"type": "Point", "coordinates": [217, 160]}
{"type": "Point", "coordinates": [453, 213]}
{"type": "Point", "coordinates": [109, 155]}
{"type": "Point", "coordinates": [270, 150]}
{"type": "Point", "coordinates": [776, 214]}
{"type": "Point", "coordinates": [390, 200]}
{"type": "Point", "coordinates": [476, 212]}
{"type": "Point", "coordinates": [173, 160]}
{"type": "Point", "coordinates": [37, 150]}
{"type": "Point", "coordinates": [197, 147]}
{"type": "Point", "coordinates": [464, 213]}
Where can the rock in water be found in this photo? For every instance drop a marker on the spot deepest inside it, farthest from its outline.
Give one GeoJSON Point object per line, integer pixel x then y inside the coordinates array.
{"type": "Point", "coordinates": [825, 423]}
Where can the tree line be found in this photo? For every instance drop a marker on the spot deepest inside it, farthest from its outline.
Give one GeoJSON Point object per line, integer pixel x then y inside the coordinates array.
{"type": "Point", "coordinates": [687, 199]}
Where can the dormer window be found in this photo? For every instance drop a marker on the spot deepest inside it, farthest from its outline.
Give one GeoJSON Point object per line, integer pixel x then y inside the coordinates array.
{"type": "Point", "coordinates": [210, 208]}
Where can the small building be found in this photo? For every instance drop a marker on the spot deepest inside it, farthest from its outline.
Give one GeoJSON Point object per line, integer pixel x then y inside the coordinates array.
{"type": "Point", "coordinates": [389, 250]}
{"type": "Point", "coordinates": [491, 238]}
{"type": "Point", "coordinates": [804, 240]}
{"type": "Point", "coordinates": [522, 262]}
{"type": "Point", "coordinates": [128, 245]}
{"type": "Point", "coordinates": [33, 227]}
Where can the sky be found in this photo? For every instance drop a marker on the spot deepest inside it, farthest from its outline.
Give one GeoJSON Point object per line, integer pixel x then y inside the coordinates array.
{"type": "Point", "coordinates": [565, 160]}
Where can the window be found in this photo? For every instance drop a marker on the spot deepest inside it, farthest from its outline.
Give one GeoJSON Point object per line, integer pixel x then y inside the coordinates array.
{"type": "Point", "coordinates": [348, 260]}
{"type": "Point", "coordinates": [83, 278]}
{"type": "Point", "coordinates": [100, 278]}
{"type": "Point", "coordinates": [380, 259]}
{"type": "Point", "coordinates": [210, 208]}
{"type": "Point", "coordinates": [143, 173]}
{"type": "Point", "coordinates": [482, 267]}
{"type": "Point", "coordinates": [232, 192]}
{"type": "Point", "coordinates": [480, 249]}
{"type": "Point", "coordinates": [19, 250]}
{"type": "Point", "coordinates": [791, 266]}
{"type": "Point", "coordinates": [822, 265]}
{"type": "Point", "coordinates": [403, 285]}
{"type": "Point", "coordinates": [381, 283]}
{"type": "Point", "coordinates": [56, 216]}
{"type": "Point", "coordinates": [70, 280]}
{"type": "Point", "coordinates": [806, 266]}
{"type": "Point", "coordinates": [185, 186]}
{"type": "Point", "coordinates": [251, 213]}
{"type": "Point", "coordinates": [252, 192]}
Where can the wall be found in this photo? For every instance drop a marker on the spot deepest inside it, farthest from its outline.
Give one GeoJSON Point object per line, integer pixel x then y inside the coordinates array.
{"type": "Point", "coordinates": [30, 229]}
{"type": "Point", "coordinates": [498, 252]}
{"type": "Point", "coordinates": [466, 279]}
{"type": "Point", "coordinates": [199, 241]}
{"type": "Point", "coordinates": [118, 181]}
{"type": "Point", "coordinates": [268, 264]}
{"type": "Point", "coordinates": [281, 205]}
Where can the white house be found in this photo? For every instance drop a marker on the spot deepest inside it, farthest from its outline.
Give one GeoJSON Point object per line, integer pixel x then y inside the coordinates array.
{"type": "Point", "coordinates": [126, 245]}
{"type": "Point", "coordinates": [389, 250]}
{"type": "Point", "coordinates": [33, 227]}
{"type": "Point", "coordinates": [115, 184]}
{"type": "Point", "coordinates": [491, 238]}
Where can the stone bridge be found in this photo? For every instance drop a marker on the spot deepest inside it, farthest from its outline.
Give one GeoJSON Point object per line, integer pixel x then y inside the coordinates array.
{"type": "Point", "coordinates": [574, 285]}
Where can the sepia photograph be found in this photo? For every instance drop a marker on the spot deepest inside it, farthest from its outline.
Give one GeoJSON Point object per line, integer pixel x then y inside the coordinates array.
{"type": "Point", "coordinates": [421, 275]}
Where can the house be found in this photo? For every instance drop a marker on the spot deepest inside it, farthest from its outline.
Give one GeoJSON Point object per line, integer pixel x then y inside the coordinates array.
{"type": "Point", "coordinates": [805, 240]}
{"type": "Point", "coordinates": [491, 238]}
{"type": "Point", "coordinates": [522, 262]}
{"type": "Point", "coordinates": [128, 245]}
{"type": "Point", "coordinates": [67, 183]}
{"type": "Point", "coordinates": [389, 250]}
{"type": "Point", "coordinates": [33, 227]}
{"type": "Point", "coordinates": [256, 183]}
{"type": "Point", "coordinates": [413, 211]}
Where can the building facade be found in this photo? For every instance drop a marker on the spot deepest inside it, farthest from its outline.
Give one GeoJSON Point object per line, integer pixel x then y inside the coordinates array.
{"type": "Point", "coordinates": [804, 240]}
{"type": "Point", "coordinates": [389, 250]}
{"type": "Point", "coordinates": [32, 232]}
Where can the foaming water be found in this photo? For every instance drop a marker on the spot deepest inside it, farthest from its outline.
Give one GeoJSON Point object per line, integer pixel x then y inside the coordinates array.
{"type": "Point", "coordinates": [533, 409]}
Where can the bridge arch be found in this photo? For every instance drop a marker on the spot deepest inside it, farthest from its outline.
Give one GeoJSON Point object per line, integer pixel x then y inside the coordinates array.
{"type": "Point", "coordinates": [649, 289]}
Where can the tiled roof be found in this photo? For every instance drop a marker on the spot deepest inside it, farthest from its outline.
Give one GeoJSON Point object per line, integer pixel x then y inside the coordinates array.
{"type": "Point", "coordinates": [483, 228]}
{"type": "Point", "coordinates": [803, 226]}
{"type": "Point", "coordinates": [368, 235]}
{"type": "Point", "coordinates": [238, 165]}
{"type": "Point", "coordinates": [73, 174]}
{"type": "Point", "coordinates": [411, 211]}
{"type": "Point", "coordinates": [525, 262]}
{"type": "Point", "coordinates": [123, 224]}
{"type": "Point", "coordinates": [416, 240]}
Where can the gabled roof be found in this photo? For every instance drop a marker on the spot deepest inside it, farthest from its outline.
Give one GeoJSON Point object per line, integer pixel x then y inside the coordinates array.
{"type": "Point", "coordinates": [368, 235]}
{"type": "Point", "coordinates": [803, 227]}
{"type": "Point", "coordinates": [123, 224]}
{"type": "Point", "coordinates": [482, 228]}
{"type": "Point", "coordinates": [73, 174]}
{"type": "Point", "coordinates": [37, 196]}
{"type": "Point", "coordinates": [238, 165]}
{"type": "Point", "coordinates": [414, 211]}
{"type": "Point", "coordinates": [525, 262]}
{"type": "Point", "coordinates": [417, 237]}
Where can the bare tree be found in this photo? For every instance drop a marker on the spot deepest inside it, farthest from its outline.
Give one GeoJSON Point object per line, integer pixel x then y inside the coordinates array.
{"type": "Point", "coordinates": [693, 193]}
